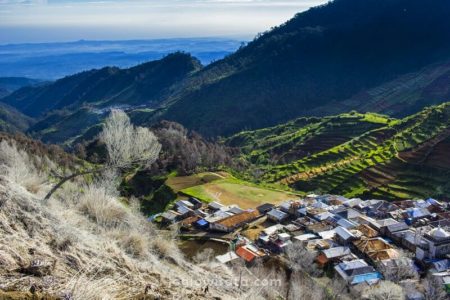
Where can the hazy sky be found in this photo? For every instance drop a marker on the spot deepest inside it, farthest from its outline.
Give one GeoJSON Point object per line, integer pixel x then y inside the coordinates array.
{"type": "Point", "coordinates": [65, 20]}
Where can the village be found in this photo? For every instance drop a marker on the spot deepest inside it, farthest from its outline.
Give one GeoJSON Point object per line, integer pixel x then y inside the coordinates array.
{"type": "Point", "coordinates": [362, 242]}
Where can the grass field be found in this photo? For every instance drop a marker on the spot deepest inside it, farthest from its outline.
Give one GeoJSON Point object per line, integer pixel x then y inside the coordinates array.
{"type": "Point", "coordinates": [178, 183]}
{"type": "Point", "coordinates": [231, 191]}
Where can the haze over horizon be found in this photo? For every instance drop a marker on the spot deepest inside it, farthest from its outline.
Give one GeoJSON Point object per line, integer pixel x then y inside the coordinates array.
{"type": "Point", "coordinates": [32, 21]}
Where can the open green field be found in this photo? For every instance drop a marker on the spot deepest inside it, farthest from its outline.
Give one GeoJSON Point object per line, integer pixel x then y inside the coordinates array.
{"type": "Point", "coordinates": [230, 191]}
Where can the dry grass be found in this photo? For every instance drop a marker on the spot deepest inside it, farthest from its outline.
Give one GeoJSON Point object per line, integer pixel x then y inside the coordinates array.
{"type": "Point", "coordinates": [91, 245]}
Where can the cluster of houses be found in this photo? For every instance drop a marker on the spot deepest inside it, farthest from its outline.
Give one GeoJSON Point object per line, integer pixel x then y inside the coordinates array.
{"type": "Point", "coordinates": [360, 241]}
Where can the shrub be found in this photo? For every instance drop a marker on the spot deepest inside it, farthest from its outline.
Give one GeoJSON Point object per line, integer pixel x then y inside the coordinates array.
{"type": "Point", "coordinates": [101, 207]}
{"type": "Point", "coordinates": [17, 165]}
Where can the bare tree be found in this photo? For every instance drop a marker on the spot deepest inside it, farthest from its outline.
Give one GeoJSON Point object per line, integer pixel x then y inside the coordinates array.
{"type": "Point", "coordinates": [401, 269]}
{"type": "Point", "coordinates": [385, 290]}
{"type": "Point", "coordinates": [302, 260]}
{"type": "Point", "coordinates": [434, 289]}
{"type": "Point", "coordinates": [127, 146]}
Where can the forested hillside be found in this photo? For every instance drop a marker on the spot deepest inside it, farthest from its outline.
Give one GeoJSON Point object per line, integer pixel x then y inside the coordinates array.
{"type": "Point", "coordinates": [386, 56]}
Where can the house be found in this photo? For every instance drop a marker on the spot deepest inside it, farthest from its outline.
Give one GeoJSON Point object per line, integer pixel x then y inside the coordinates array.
{"type": "Point", "coordinates": [227, 257]}
{"type": "Point", "coordinates": [233, 222]}
{"type": "Point", "coordinates": [200, 213]}
{"type": "Point", "coordinates": [392, 228]}
{"type": "Point", "coordinates": [318, 227]}
{"type": "Point", "coordinates": [406, 238]}
{"type": "Point", "coordinates": [434, 244]}
{"type": "Point", "coordinates": [246, 254]}
{"type": "Point", "coordinates": [234, 209]}
{"type": "Point", "coordinates": [276, 215]}
{"type": "Point", "coordinates": [367, 231]}
{"type": "Point", "coordinates": [376, 249]}
{"type": "Point", "coordinates": [188, 222]}
{"type": "Point", "coordinates": [318, 244]}
{"type": "Point", "coordinates": [273, 229]}
{"type": "Point", "coordinates": [415, 214]}
{"type": "Point", "coordinates": [197, 204]}
{"type": "Point", "coordinates": [357, 271]}
{"type": "Point", "coordinates": [286, 206]}
{"type": "Point", "coordinates": [184, 203]}
{"type": "Point", "coordinates": [332, 255]}
{"type": "Point", "coordinates": [215, 206]}
{"type": "Point", "coordinates": [249, 253]}
{"type": "Point", "coordinates": [380, 209]}
{"type": "Point", "coordinates": [344, 236]}
{"type": "Point", "coordinates": [284, 237]}
{"type": "Point", "coordinates": [327, 235]}
{"type": "Point", "coordinates": [265, 208]}
{"type": "Point", "coordinates": [184, 211]}
{"type": "Point", "coordinates": [347, 213]}
{"type": "Point", "coordinates": [201, 224]}
{"type": "Point", "coordinates": [346, 223]}
{"type": "Point", "coordinates": [170, 217]}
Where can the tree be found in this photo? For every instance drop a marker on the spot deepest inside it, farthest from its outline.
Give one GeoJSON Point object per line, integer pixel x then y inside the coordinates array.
{"type": "Point", "coordinates": [127, 147]}
{"type": "Point", "coordinates": [434, 289]}
{"type": "Point", "coordinates": [385, 290]}
{"type": "Point", "coordinates": [300, 259]}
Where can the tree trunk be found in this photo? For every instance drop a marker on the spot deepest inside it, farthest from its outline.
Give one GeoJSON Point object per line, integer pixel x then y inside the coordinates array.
{"type": "Point", "coordinates": [65, 179]}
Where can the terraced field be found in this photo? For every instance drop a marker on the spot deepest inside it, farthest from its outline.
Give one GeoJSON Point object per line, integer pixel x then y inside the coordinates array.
{"type": "Point", "coordinates": [363, 155]}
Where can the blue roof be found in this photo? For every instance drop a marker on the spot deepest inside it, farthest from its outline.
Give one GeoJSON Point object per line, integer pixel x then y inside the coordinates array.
{"type": "Point", "coordinates": [366, 277]}
{"type": "Point", "coordinates": [202, 222]}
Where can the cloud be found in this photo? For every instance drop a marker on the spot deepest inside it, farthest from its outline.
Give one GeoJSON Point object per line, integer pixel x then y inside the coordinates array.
{"type": "Point", "coordinates": [119, 19]}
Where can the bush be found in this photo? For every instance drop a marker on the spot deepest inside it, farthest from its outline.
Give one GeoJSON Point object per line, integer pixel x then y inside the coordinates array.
{"type": "Point", "coordinates": [18, 167]}
{"type": "Point", "coordinates": [101, 207]}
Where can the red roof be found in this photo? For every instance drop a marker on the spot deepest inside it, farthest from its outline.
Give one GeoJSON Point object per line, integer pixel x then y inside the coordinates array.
{"type": "Point", "coordinates": [246, 254]}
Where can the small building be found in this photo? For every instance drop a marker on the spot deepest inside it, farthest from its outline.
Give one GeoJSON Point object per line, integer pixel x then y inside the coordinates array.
{"type": "Point", "coordinates": [233, 222]}
{"type": "Point", "coordinates": [227, 257]}
{"type": "Point", "coordinates": [357, 271]}
{"type": "Point", "coordinates": [434, 244]}
{"type": "Point", "coordinates": [249, 253]}
{"type": "Point", "coordinates": [235, 210]}
{"type": "Point", "coordinates": [215, 206]}
{"type": "Point", "coordinates": [170, 217]}
{"type": "Point", "coordinates": [201, 224]}
{"type": "Point", "coordinates": [284, 237]}
{"type": "Point", "coordinates": [346, 223]}
{"type": "Point", "coordinates": [276, 215]}
{"type": "Point", "coordinates": [184, 211]}
{"type": "Point", "coordinates": [184, 203]}
{"type": "Point", "coordinates": [391, 229]}
{"type": "Point", "coordinates": [273, 229]}
{"type": "Point", "coordinates": [332, 255]}
{"type": "Point", "coordinates": [197, 204]}
{"type": "Point", "coordinates": [344, 236]}
{"type": "Point", "coordinates": [376, 249]}
{"type": "Point", "coordinates": [305, 237]}
{"type": "Point", "coordinates": [265, 208]}
{"type": "Point", "coordinates": [189, 222]}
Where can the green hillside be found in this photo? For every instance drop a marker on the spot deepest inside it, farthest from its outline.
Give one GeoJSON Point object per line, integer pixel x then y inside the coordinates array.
{"type": "Point", "coordinates": [357, 155]}
{"type": "Point", "coordinates": [384, 56]}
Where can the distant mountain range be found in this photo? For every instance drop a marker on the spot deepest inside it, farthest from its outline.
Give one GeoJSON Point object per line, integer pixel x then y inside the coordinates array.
{"type": "Point", "coordinates": [52, 61]}
{"type": "Point", "coordinates": [146, 84]}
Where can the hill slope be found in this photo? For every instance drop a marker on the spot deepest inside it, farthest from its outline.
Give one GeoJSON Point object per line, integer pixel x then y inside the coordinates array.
{"type": "Point", "coordinates": [363, 155]}
{"type": "Point", "coordinates": [327, 54]}
{"type": "Point", "coordinates": [387, 56]}
{"type": "Point", "coordinates": [13, 121]}
{"type": "Point", "coordinates": [144, 84]}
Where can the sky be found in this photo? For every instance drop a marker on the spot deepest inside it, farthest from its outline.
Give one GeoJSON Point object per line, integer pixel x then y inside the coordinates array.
{"type": "Point", "coordinates": [30, 21]}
